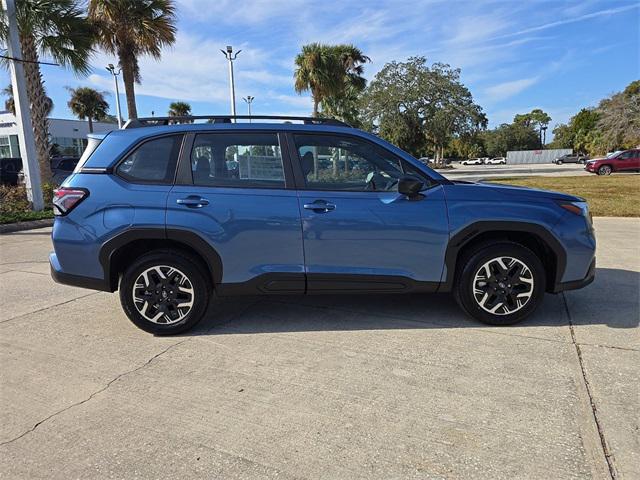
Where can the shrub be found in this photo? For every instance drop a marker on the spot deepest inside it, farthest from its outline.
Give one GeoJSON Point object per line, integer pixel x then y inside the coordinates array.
{"type": "Point", "coordinates": [13, 199]}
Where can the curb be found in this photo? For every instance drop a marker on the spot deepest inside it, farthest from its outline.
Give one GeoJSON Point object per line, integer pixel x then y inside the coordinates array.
{"type": "Point", "coordinates": [20, 226]}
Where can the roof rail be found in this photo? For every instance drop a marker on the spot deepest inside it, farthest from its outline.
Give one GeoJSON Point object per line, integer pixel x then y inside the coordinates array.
{"type": "Point", "coordinates": [157, 121]}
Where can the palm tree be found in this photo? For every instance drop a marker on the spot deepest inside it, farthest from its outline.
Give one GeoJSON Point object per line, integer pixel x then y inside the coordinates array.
{"type": "Point", "coordinates": [316, 68]}
{"type": "Point", "coordinates": [87, 103]}
{"type": "Point", "coordinates": [130, 29]}
{"type": "Point", "coordinates": [330, 72]}
{"type": "Point", "coordinates": [9, 103]}
{"type": "Point", "coordinates": [180, 109]}
{"type": "Point", "coordinates": [56, 29]}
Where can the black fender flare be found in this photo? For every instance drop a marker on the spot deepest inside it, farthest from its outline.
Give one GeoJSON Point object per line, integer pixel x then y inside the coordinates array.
{"type": "Point", "coordinates": [186, 237]}
{"type": "Point", "coordinates": [472, 231]}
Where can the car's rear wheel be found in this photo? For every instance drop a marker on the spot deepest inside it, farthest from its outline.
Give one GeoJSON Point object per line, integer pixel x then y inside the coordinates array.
{"type": "Point", "coordinates": [605, 170]}
{"type": "Point", "coordinates": [500, 284]}
{"type": "Point", "coordinates": [164, 292]}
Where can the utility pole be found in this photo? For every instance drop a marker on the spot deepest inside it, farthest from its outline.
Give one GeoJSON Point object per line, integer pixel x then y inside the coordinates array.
{"type": "Point", "coordinates": [249, 99]}
{"type": "Point", "coordinates": [23, 114]}
{"type": "Point", "coordinates": [232, 88]}
{"type": "Point", "coordinates": [112, 70]}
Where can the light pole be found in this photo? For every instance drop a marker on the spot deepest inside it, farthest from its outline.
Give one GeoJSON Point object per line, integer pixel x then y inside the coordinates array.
{"type": "Point", "coordinates": [249, 99]}
{"type": "Point", "coordinates": [112, 70]}
{"type": "Point", "coordinates": [23, 114]}
{"type": "Point", "coordinates": [230, 56]}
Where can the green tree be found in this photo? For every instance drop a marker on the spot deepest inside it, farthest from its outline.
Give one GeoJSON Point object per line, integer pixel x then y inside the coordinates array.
{"type": "Point", "coordinates": [619, 119]}
{"type": "Point", "coordinates": [180, 109]}
{"type": "Point", "coordinates": [56, 29]}
{"type": "Point", "coordinates": [130, 29]}
{"type": "Point", "coordinates": [536, 118]}
{"type": "Point", "coordinates": [332, 73]}
{"type": "Point", "coordinates": [420, 107]}
{"type": "Point", "coordinates": [509, 137]}
{"type": "Point", "coordinates": [87, 103]}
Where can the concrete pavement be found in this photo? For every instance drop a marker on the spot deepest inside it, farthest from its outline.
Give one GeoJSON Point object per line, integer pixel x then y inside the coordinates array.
{"type": "Point", "coordinates": [320, 387]}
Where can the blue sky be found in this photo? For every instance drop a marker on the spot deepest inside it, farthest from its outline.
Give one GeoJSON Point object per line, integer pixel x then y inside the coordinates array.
{"type": "Point", "coordinates": [514, 55]}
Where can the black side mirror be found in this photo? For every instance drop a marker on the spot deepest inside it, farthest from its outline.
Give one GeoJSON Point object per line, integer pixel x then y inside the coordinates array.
{"type": "Point", "coordinates": [410, 186]}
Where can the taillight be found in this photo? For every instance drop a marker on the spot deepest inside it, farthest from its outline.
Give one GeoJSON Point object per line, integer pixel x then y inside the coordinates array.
{"type": "Point", "coordinates": [66, 199]}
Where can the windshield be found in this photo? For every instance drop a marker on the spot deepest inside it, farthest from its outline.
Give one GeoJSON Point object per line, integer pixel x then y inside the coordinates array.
{"type": "Point", "coordinates": [614, 154]}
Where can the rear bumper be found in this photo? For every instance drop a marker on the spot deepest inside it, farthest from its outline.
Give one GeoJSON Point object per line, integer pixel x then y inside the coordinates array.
{"type": "Point", "coordinates": [576, 284]}
{"type": "Point", "coordinates": [75, 280]}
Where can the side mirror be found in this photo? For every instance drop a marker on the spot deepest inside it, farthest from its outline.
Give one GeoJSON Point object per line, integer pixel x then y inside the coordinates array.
{"type": "Point", "coordinates": [410, 186]}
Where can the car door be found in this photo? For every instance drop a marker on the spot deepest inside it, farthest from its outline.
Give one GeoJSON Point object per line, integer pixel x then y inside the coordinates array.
{"type": "Point", "coordinates": [359, 233]}
{"type": "Point", "coordinates": [635, 160]}
{"type": "Point", "coordinates": [232, 191]}
{"type": "Point", "coordinates": [625, 161]}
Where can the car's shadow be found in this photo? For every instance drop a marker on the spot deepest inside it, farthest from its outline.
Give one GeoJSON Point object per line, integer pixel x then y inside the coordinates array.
{"type": "Point", "coordinates": [613, 300]}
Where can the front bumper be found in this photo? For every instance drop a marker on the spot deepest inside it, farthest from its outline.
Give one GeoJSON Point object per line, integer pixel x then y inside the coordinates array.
{"type": "Point", "coordinates": [576, 284]}
{"type": "Point", "coordinates": [75, 280]}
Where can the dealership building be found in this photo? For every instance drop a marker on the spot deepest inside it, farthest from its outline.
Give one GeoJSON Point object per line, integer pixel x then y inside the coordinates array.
{"type": "Point", "coordinates": [68, 136]}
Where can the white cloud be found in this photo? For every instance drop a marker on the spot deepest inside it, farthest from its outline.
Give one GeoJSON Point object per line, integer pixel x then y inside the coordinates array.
{"type": "Point", "coordinates": [505, 90]}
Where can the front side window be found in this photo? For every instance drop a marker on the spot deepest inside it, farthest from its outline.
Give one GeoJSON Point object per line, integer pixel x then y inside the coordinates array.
{"type": "Point", "coordinates": [152, 162]}
{"type": "Point", "coordinates": [237, 160]}
{"type": "Point", "coordinates": [345, 163]}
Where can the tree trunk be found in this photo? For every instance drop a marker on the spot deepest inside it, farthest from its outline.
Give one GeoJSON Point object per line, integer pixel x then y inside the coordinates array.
{"type": "Point", "coordinates": [90, 124]}
{"type": "Point", "coordinates": [315, 106]}
{"type": "Point", "coordinates": [38, 105]}
{"type": "Point", "coordinates": [128, 77]}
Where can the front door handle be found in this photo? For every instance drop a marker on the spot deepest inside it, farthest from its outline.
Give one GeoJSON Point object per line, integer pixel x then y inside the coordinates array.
{"type": "Point", "coordinates": [193, 201]}
{"type": "Point", "coordinates": [319, 206]}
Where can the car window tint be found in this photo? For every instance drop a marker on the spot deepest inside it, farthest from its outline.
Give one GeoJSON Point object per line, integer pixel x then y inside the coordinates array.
{"type": "Point", "coordinates": [331, 162]}
{"type": "Point", "coordinates": [154, 161]}
{"type": "Point", "coordinates": [237, 160]}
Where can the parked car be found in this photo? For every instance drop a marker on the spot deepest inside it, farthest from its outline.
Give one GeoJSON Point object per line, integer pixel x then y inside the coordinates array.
{"type": "Point", "coordinates": [571, 158]}
{"type": "Point", "coordinates": [496, 161]}
{"type": "Point", "coordinates": [10, 171]}
{"type": "Point", "coordinates": [472, 161]}
{"type": "Point", "coordinates": [153, 213]}
{"type": "Point", "coordinates": [62, 167]}
{"type": "Point", "coordinates": [621, 161]}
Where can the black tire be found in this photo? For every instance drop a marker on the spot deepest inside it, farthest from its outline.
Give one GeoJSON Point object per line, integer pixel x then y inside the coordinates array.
{"type": "Point", "coordinates": [559, 162]}
{"type": "Point", "coordinates": [471, 264]}
{"type": "Point", "coordinates": [196, 281]}
{"type": "Point", "coordinates": [605, 170]}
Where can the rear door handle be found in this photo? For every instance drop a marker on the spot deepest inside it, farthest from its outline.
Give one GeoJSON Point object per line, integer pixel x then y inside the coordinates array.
{"type": "Point", "coordinates": [193, 201]}
{"type": "Point", "coordinates": [320, 206]}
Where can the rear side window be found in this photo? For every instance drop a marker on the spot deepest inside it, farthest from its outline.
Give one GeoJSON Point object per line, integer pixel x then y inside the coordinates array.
{"type": "Point", "coordinates": [154, 161]}
{"type": "Point", "coordinates": [237, 160]}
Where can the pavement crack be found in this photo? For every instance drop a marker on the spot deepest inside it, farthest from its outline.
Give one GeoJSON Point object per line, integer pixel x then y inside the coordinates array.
{"type": "Point", "coordinates": [49, 306]}
{"type": "Point", "coordinates": [97, 392]}
{"type": "Point", "coordinates": [594, 409]}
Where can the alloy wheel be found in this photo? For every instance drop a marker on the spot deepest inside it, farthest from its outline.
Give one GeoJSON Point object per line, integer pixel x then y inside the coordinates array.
{"type": "Point", "coordinates": [163, 294]}
{"type": "Point", "coordinates": [503, 285]}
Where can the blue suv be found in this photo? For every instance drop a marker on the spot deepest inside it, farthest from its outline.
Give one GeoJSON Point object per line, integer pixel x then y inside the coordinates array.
{"type": "Point", "coordinates": [169, 213]}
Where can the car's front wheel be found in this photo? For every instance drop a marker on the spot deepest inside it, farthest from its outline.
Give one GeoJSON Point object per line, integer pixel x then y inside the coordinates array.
{"type": "Point", "coordinates": [164, 292]}
{"type": "Point", "coordinates": [500, 284]}
{"type": "Point", "coordinates": [605, 170]}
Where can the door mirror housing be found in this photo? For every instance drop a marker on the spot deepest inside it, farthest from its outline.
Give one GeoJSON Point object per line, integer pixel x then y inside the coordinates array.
{"type": "Point", "coordinates": [410, 186]}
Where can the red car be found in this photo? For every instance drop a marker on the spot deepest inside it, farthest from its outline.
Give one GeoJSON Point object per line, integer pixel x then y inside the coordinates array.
{"type": "Point", "coordinates": [625, 161]}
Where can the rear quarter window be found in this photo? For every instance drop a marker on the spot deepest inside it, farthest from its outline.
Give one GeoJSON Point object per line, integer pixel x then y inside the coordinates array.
{"type": "Point", "coordinates": [153, 161]}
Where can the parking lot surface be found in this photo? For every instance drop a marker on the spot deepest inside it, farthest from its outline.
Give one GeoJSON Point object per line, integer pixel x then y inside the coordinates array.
{"type": "Point", "coordinates": [321, 387]}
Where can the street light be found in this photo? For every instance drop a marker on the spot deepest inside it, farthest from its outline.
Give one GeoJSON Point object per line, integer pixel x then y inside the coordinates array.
{"type": "Point", "coordinates": [249, 99]}
{"type": "Point", "coordinates": [112, 70]}
{"type": "Point", "coordinates": [232, 89]}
